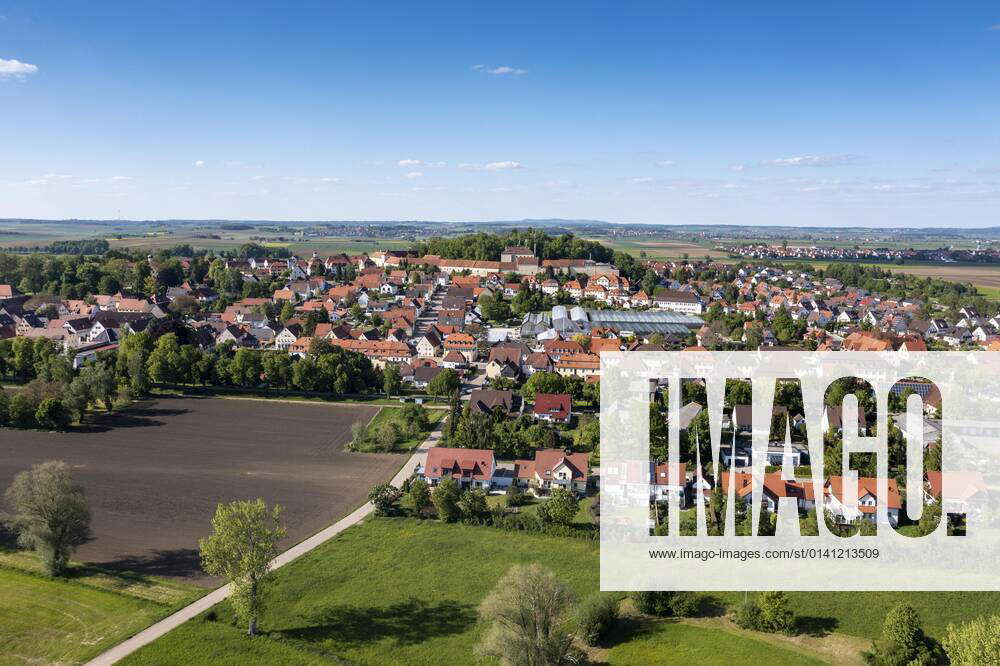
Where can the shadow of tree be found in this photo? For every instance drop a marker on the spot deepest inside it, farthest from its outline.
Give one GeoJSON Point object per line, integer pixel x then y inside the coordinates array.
{"type": "Point", "coordinates": [631, 627]}
{"type": "Point", "coordinates": [711, 606]}
{"type": "Point", "coordinates": [175, 563]}
{"type": "Point", "coordinates": [815, 626]}
{"type": "Point", "coordinates": [135, 417]}
{"type": "Point", "coordinates": [407, 622]}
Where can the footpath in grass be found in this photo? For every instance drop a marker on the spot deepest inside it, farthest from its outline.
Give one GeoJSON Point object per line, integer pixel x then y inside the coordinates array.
{"type": "Point", "coordinates": [69, 621]}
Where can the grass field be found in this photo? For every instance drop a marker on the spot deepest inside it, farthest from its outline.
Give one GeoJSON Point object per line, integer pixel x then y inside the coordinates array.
{"type": "Point", "coordinates": [406, 591]}
{"type": "Point", "coordinates": [685, 643]}
{"type": "Point", "coordinates": [70, 621]}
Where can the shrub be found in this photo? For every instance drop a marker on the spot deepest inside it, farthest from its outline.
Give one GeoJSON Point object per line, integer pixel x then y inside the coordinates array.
{"type": "Point", "coordinates": [653, 602]}
{"type": "Point", "coordinates": [52, 415]}
{"type": "Point", "coordinates": [22, 411]}
{"type": "Point", "coordinates": [748, 615]}
{"type": "Point", "coordinates": [445, 499]}
{"type": "Point", "coordinates": [775, 615]}
{"type": "Point", "coordinates": [595, 617]}
{"type": "Point", "coordinates": [560, 508]}
{"type": "Point", "coordinates": [473, 506]}
{"type": "Point", "coordinates": [515, 497]}
{"type": "Point", "coordinates": [903, 641]}
{"type": "Point", "coordinates": [685, 604]}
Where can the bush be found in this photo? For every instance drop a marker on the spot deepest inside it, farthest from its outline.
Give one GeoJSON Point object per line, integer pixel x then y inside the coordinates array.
{"type": "Point", "coordinates": [4, 408]}
{"type": "Point", "coordinates": [445, 499]}
{"type": "Point", "coordinates": [22, 411]}
{"type": "Point", "coordinates": [903, 641]}
{"type": "Point", "coordinates": [515, 497]}
{"type": "Point", "coordinates": [595, 617]}
{"type": "Point", "coordinates": [653, 602]}
{"type": "Point", "coordinates": [473, 506]}
{"type": "Point", "coordinates": [560, 508]}
{"type": "Point", "coordinates": [685, 604]}
{"type": "Point", "coordinates": [52, 415]}
{"type": "Point", "coordinates": [775, 615]}
{"type": "Point", "coordinates": [418, 495]}
{"type": "Point", "coordinates": [748, 616]}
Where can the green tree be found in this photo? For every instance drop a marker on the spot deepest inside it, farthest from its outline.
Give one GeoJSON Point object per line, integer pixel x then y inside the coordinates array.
{"type": "Point", "coordinates": [561, 507]}
{"type": "Point", "coordinates": [445, 498]}
{"type": "Point", "coordinates": [101, 382]}
{"type": "Point", "coordinates": [596, 616]}
{"type": "Point", "coordinates": [975, 642]}
{"type": "Point", "coordinates": [164, 362]}
{"type": "Point", "coordinates": [391, 380]}
{"type": "Point", "coordinates": [528, 613]}
{"type": "Point", "coordinates": [473, 505]}
{"type": "Point", "coordinates": [775, 614]}
{"type": "Point", "coordinates": [903, 641]}
{"type": "Point", "coordinates": [444, 383]}
{"type": "Point", "coordinates": [244, 540]}
{"type": "Point", "coordinates": [246, 368]}
{"type": "Point", "coordinates": [383, 497]}
{"type": "Point", "coordinates": [543, 382]}
{"type": "Point", "coordinates": [52, 415]}
{"type": "Point", "coordinates": [418, 496]}
{"type": "Point", "coordinates": [22, 410]}
{"type": "Point", "coordinates": [49, 513]}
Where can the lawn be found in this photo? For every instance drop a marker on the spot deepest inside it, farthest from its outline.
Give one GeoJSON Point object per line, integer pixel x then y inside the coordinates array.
{"type": "Point", "coordinates": [685, 643]}
{"type": "Point", "coordinates": [531, 505]}
{"type": "Point", "coordinates": [71, 620]}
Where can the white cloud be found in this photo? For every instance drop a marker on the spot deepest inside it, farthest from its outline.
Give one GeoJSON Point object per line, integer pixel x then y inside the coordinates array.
{"type": "Point", "coordinates": [234, 163]}
{"type": "Point", "coordinates": [810, 161]}
{"type": "Point", "coordinates": [199, 163]}
{"type": "Point", "coordinates": [995, 28]}
{"type": "Point", "coordinates": [414, 174]}
{"type": "Point", "coordinates": [665, 163]}
{"type": "Point", "coordinates": [16, 69]}
{"type": "Point", "coordinates": [738, 168]}
{"type": "Point", "coordinates": [329, 179]}
{"type": "Point", "coordinates": [501, 166]}
{"type": "Point", "coordinates": [504, 70]}
{"type": "Point", "coordinates": [408, 163]}
{"type": "Point", "coordinates": [120, 178]}
{"type": "Point", "coordinates": [644, 179]}
{"type": "Point", "coordinates": [478, 67]}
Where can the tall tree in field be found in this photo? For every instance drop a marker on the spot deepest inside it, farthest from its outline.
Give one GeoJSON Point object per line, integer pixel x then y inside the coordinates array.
{"type": "Point", "coordinates": [49, 512]}
{"type": "Point", "coordinates": [244, 541]}
{"type": "Point", "coordinates": [391, 380]}
{"type": "Point", "coordinates": [528, 612]}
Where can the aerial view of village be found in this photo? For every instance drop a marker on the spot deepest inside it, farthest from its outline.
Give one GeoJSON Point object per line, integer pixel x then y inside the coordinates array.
{"type": "Point", "coordinates": [305, 307]}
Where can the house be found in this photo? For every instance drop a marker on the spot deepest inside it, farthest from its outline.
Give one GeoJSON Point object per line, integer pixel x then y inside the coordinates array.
{"type": "Point", "coordinates": [963, 492]}
{"type": "Point", "coordinates": [538, 362]}
{"type": "Point", "coordinates": [773, 489]}
{"type": "Point", "coordinates": [462, 343]}
{"type": "Point", "coordinates": [554, 468]}
{"type": "Point", "coordinates": [553, 407]}
{"type": "Point", "coordinates": [557, 348]}
{"type": "Point", "coordinates": [454, 360]}
{"type": "Point", "coordinates": [288, 335]}
{"type": "Point", "coordinates": [425, 374]}
{"type": "Point", "coordinates": [470, 468]}
{"type": "Point", "coordinates": [867, 500]}
{"type": "Point", "coordinates": [579, 365]}
{"type": "Point", "coordinates": [483, 401]}
{"type": "Point", "coordinates": [669, 479]}
{"type": "Point", "coordinates": [833, 419]}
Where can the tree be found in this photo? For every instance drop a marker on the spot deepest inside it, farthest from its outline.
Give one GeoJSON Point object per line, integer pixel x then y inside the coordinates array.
{"type": "Point", "coordinates": [445, 382]}
{"type": "Point", "coordinates": [164, 362]}
{"type": "Point", "coordinates": [417, 497]}
{"type": "Point", "coordinates": [903, 640]}
{"type": "Point", "coordinates": [22, 410]}
{"type": "Point", "coordinates": [560, 508]}
{"type": "Point", "coordinates": [100, 379]}
{"type": "Point", "coordinates": [445, 499]}
{"type": "Point", "coordinates": [52, 415]}
{"type": "Point", "coordinates": [543, 382]}
{"type": "Point", "coordinates": [391, 380]}
{"type": "Point", "coordinates": [4, 408]}
{"type": "Point", "coordinates": [473, 505]}
{"type": "Point", "coordinates": [383, 497]}
{"type": "Point", "coordinates": [77, 397]}
{"type": "Point", "coordinates": [244, 540]}
{"type": "Point", "coordinates": [49, 513]}
{"type": "Point", "coordinates": [527, 613]}
{"type": "Point", "coordinates": [975, 642]}
{"type": "Point", "coordinates": [246, 368]}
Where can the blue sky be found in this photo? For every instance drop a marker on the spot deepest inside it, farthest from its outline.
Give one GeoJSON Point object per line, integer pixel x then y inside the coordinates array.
{"type": "Point", "coordinates": [854, 113]}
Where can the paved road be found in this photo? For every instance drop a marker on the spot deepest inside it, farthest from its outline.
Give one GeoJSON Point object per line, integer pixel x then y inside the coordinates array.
{"type": "Point", "coordinates": [170, 622]}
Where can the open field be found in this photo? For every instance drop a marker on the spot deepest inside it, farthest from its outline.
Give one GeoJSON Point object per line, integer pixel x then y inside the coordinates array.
{"type": "Point", "coordinates": [394, 417]}
{"type": "Point", "coordinates": [406, 591]}
{"type": "Point", "coordinates": [661, 249]}
{"type": "Point", "coordinates": [155, 472]}
{"type": "Point", "coordinates": [70, 621]}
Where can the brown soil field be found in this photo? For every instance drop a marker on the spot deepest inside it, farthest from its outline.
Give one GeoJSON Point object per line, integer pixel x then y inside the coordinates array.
{"type": "Point", "coordinates": [987, 276]}
{"type": "Point", "coordinates": [155, 472]}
